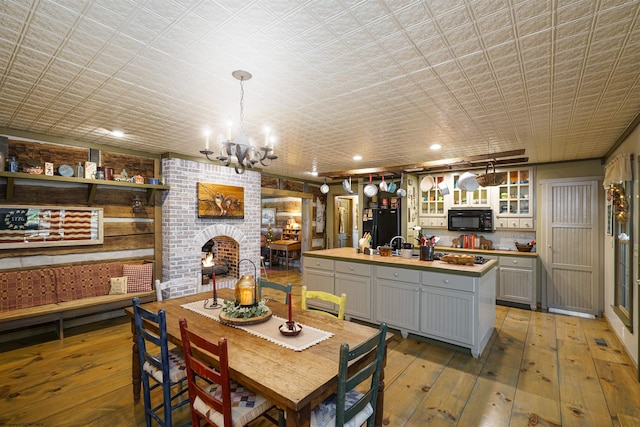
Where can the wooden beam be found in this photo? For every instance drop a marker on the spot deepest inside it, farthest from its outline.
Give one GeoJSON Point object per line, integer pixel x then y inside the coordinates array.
{"type": "Point", "coordinates": [274, 192]}
{"type": "Point", "coordinates": [504, 158]}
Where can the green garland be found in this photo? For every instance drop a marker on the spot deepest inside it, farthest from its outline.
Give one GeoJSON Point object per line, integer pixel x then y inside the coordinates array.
{"type": "Point", "coordinates": [236, 311]}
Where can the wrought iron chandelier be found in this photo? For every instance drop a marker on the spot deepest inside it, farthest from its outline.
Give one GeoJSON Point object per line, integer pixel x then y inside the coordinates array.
{"type": "Point", "coordinates": [240, 152]}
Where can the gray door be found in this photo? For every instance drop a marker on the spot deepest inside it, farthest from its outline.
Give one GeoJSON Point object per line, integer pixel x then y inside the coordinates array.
{"type": "Point", "coordinates": [570, 252]}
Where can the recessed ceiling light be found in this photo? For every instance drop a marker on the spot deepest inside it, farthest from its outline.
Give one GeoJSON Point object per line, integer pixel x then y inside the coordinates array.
{"type": "Point", "coordinates": [117, 133]}
{"type": "Point", "coordinates": [435, 146]}
{"type": "Point", "coordinates": [357, 157]}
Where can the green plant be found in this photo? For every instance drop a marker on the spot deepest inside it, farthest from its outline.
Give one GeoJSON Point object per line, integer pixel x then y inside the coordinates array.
{"type": "Point", "coordinates": [231, 309]}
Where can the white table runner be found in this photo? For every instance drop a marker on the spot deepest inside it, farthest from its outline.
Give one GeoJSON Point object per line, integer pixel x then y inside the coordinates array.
{"type": "Point", "coordinates": [268, 330]}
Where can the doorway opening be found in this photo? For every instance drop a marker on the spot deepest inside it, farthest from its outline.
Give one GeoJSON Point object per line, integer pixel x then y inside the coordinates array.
{"type": "Point", "coordinates": [345, 230]}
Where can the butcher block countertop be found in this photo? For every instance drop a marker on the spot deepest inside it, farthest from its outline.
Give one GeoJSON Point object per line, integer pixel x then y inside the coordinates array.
{"type": "Point", "coordinates": [351, 255]}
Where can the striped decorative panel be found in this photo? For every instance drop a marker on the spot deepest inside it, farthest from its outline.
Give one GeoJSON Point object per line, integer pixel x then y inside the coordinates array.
{"type": "Point", "coordinates": [447, 314]}
{"type": "Point", "coordinates": [515, 283]}
{"type": "Point", "coordinates": [397, 304]}
{"type": "Point", "coordinates": [572, 204]}
{"type": "Point", "coordinates": [573, 246]}
{"type": "Point", "coordinates": [571, 290]}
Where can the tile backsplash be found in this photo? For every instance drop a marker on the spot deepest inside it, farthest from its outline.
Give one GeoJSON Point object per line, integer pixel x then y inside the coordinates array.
{"type": "Point", "coordinates": [501, 239]}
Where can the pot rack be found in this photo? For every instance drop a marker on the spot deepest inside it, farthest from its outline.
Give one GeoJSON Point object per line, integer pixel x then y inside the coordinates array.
{"type": "Point", "coordinates": [511, 157]}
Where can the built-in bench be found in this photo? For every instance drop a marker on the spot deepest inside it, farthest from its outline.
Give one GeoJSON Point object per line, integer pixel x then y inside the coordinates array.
{"type": "Point", "coordinates": [42, 295]}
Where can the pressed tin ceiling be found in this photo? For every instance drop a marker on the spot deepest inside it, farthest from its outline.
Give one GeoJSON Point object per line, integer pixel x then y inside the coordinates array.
{"type": "Point", "coordinates": [383, 79]}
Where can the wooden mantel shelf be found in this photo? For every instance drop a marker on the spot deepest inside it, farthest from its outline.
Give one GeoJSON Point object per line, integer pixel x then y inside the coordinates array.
{"type": "Point", "coordinates": [91, 183]}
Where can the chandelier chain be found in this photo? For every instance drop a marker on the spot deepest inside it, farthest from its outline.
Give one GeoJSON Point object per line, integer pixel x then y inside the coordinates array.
{"type": "Point", "coordinates": [242, 105]}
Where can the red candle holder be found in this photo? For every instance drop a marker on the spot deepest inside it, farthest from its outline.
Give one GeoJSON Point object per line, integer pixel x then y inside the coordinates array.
{"type": "Point", "coordinates": [290, 329]}
{"type": "Point", "coordinates": [214, 303]}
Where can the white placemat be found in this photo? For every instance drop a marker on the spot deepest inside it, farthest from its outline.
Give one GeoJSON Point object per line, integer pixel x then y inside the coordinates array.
{"type": "Point", "coordinates": [268, 330]}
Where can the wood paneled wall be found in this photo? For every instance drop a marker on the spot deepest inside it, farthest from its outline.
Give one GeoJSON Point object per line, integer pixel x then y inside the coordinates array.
{"type": "Point", "coordinates": [127, 235]}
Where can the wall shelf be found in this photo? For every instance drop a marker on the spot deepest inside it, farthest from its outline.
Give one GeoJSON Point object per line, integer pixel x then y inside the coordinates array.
{"type": "Point", "coordinates": [92, 184]}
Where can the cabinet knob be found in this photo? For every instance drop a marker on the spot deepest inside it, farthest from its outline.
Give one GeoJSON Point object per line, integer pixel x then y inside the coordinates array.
{"type": "Point", "coordinates": [395, 274]}
{"type": "Point", "coordinates": [350, 268]}
{"type": "Point", "coordinates": [515, 261]}
{"type": "Point", "coordinates": [446, 281]}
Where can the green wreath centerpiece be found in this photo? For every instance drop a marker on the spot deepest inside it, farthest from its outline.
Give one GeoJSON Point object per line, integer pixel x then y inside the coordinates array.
{"type": "Point", "coordinates": [237, 311]}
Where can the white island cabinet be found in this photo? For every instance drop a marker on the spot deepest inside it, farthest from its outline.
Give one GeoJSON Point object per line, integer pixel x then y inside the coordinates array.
{"type": "Point", "coordinates": [458, 309]}
{"type": "Point", "coordinates": [337, 277]}
{"type": "Point", "coordinates": [398, 298]}
{"type": "Point", "coordinates": [317, 275]}
{"type": "Point", "coordinates": [354, 280]}
{"type": "Point", "coordinates": [446, 302]}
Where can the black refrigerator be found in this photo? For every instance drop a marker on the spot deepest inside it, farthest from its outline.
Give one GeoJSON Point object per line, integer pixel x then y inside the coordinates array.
{"type": "Point", "coordinates": [383, 224]}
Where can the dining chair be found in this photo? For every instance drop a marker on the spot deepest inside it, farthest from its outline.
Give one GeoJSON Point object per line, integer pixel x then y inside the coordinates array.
{"type": "Point", "coordinates": [348, 406]}
{"type": "Point", "coordinates": [262, 283]}
{"type": "Point", "coordinates": [341, 301]}
{"type": "Point", "coordinates": [164, 370]}
{"type": "Point", "coordinates": [263, 267]}
{"type": "Point", "coordinates": [214, 396]}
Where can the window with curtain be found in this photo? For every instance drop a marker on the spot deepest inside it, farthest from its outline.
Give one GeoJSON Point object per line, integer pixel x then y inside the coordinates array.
{"type": "Point", "coordinates": [619, 185]}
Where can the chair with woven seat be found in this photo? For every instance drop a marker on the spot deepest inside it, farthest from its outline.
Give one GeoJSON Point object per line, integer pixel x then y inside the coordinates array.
{"type": "Point", "coordinates": [214, 396]}
{"type": "Point", "coordinates": [348, 406]}
{"type": "Point", "coordinates": [164, 370]}
{"type": "Point", "coordinates": [340, 301]}
{"type": "Point", "coordinates": [262, 283]}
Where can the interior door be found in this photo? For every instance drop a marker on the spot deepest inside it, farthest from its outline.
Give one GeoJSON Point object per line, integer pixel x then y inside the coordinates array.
{"type": "Point", "coordinates": [569, 250]}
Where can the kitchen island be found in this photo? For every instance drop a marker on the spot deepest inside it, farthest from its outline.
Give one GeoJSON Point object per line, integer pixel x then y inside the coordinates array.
{"type": "Point", "coordinates": [447, 302]}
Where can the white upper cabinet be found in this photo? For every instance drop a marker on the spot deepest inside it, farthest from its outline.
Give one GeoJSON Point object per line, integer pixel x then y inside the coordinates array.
{"type": "Point", "coordinates": [433, 205]}
{"type": "Point", "coordinates": [480, 198]}
{"type": "Point", "coordinates": [513, 203]}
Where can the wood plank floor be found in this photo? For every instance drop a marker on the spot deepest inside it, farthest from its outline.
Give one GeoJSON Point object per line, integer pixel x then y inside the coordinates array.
{"type": "Point", "coordinates": [538, 369]}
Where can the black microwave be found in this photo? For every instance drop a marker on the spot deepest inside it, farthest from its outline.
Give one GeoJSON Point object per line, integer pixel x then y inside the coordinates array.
{"type": "Point", "coordinates": [471, 220]}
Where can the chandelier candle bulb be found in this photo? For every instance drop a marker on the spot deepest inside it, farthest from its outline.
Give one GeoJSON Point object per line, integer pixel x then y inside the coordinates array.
{"type": "Point", "coordinates": [266, 136]}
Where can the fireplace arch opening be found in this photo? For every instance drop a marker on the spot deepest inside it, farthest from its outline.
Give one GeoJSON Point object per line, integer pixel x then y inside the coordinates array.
{"type": "Point", "coordinates": [220, 255]}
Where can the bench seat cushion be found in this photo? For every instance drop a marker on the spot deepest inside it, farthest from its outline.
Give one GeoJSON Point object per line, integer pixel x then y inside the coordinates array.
{"type": "Point", "coordinates": [85, 280]}
{"type": "Point", "coordinates": [27, 288]}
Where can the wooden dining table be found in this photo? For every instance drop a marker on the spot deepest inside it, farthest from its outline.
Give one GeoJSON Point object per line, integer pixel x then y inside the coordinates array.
{"type": "Point", "coordinates": [295, 381]}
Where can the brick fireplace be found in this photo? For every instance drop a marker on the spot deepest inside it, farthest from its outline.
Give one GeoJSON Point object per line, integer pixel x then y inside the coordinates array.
{"type": "Point", "coordinates": [184, 234]}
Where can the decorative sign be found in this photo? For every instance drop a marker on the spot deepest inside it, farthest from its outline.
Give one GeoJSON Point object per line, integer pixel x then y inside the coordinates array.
{"type": "Point", "coordinates": [268, 216]}
{"type": "Point", "coordinates": [220, 201]}
{"type": "Point", "coordinates": [29, 226]}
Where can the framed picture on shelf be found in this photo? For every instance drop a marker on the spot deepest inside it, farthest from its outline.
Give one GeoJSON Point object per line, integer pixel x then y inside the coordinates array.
{"type": "Point", "coordinates": [268, 216]}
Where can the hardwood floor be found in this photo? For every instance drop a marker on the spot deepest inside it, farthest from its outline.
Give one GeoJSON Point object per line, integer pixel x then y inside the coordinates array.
{"type": "Point", "coordinates": [538, 369]}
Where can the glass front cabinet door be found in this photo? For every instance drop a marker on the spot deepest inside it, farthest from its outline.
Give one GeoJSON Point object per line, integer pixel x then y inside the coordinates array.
{"type": "Point", "coordinates": [514, 208]}
{"type": "Point", "coordinates": [480, 198]}
{"type": "Point", "coordinates": [433, 206]}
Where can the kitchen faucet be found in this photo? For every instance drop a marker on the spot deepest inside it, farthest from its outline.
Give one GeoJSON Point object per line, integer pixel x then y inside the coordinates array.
{"type": "Point", "coordinates": [393, 239]}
